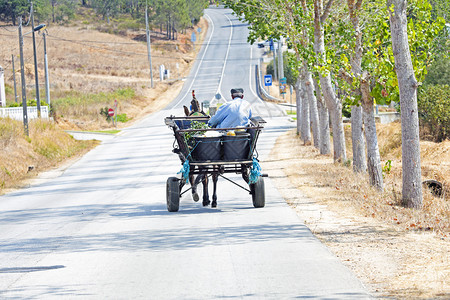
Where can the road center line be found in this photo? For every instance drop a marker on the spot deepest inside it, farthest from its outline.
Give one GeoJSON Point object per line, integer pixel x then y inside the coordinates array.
{"type": "Point", "coordinates": [203, 56]}
{"type": "Point", "coordinates": [226, 57]}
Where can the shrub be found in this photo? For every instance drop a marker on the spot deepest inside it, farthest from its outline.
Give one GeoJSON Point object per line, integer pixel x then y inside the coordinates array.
{"type": "Point", "coordinates": [9, 90]}
{"type": "Point", "coordinates": [439, 72]}
{"type": "Point", "coordinates": [434, 113]}
{"type": "Point", "coordinates": [129, 24]}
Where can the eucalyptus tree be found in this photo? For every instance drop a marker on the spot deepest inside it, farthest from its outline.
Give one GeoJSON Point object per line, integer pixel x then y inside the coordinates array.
{"type": "Point", "coordinates": [299, 23]}
{"type": "Point", "coordinates": [272, 19]}
{"type": "Point", "coordinates": [320, 15]}
{"type": "Point", "coordinates": [408, 84]}
{"type": "Point", "coordinates": [370, 71]}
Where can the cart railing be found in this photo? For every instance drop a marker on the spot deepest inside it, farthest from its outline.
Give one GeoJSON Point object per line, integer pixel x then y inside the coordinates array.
{"type": "Point", "coordinates": [184, 150]}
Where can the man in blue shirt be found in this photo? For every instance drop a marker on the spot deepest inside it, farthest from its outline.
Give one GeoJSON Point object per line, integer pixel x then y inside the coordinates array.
{"type": "Point", "coordinates": [234, 113]}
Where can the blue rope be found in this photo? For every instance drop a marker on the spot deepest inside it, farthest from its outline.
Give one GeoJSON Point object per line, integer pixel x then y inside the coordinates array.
{"type": "Point", "coordinates": [185, 170]}
{"type": "Point", "coordinates": [255, 172]}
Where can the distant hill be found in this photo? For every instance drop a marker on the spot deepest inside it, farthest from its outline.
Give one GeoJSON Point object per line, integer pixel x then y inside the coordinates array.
{"type": "Point", "coordinates": [172, 16]}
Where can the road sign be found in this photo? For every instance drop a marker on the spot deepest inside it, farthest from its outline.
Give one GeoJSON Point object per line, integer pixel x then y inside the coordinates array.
{"type": "Point", "coordinates": [268, 80]}
{"type": "Point", "coordinates": [110, 112]}
{"type": "Point", "coordinates": [283, 85]}
{"type": "Point", "coordinates": [193, 37]}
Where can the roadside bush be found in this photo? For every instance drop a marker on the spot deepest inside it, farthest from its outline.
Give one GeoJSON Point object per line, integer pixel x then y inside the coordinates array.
{"type": "Point", "coordinates": [122, 118]}
{"type": "Point", "coordinates": [439, 72]}
{"type": "Point", "coordinates": [434, 113]}
{"type": "Point", "coordinates": [129, 24]}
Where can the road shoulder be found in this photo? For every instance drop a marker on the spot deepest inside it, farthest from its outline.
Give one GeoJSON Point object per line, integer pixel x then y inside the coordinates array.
{"type": "Point", "coordinates": [392, 263]}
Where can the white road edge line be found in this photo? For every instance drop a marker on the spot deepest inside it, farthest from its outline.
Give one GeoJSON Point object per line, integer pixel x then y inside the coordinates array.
{"type": "Point", "coordinates": [203, 56]}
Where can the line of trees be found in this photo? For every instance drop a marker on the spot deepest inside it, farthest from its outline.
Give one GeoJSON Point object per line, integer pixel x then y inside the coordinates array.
{"type": "Point", "coordinates": [357, 52]}
{"type": "Point", "coordinates": [175, 15]}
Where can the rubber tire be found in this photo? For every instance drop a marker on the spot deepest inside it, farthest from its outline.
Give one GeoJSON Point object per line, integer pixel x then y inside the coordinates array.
{"type": "Point", "coordinates": [258, 193]}
{"type": "Point", "coordinates": [173, 194]}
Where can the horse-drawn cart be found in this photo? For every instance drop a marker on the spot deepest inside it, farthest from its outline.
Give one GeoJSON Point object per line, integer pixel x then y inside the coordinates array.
{"type": "Point", "coordinates": [212, 152]}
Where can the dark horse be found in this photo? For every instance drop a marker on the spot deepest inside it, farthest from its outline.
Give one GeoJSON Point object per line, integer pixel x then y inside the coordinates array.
{"type": "Point", "coordinates": [202, 177]}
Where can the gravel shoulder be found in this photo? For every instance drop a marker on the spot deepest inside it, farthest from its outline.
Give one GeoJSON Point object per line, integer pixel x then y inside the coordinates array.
{"type": "Point", "coordinates": [392, 262]}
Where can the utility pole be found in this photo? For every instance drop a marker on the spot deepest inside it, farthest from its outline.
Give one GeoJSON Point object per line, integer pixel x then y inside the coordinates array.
{"type": "Point", "coordinates": [47, 83]}
{"type": "Point", "coordinates": [147, 30]}
{"type": "Point", "coordinates": [14, 78]}
{"type": "Point", "coordinates": [2, 88]}
{"type": "Point", "coordinates": [22, 72]}
{"type": "Point", "coordinates": [36, 75]}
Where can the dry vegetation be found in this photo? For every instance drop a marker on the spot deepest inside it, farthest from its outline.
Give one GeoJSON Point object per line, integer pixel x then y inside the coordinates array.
{"type": "Point", "coordinates": [85, 76]}
{"type": "Point", "coordinates": [84, 62]}
{"type": "Point", "coordinates": [23, 157]}
{"type": "Point", "coordinates": [398, 252]}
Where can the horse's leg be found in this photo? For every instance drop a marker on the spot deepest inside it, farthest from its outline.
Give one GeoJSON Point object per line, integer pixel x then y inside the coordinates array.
{"type": "Point", "coordinates": [194, 183]}
{"type": "Point", "coordinates": [214, 196]}
{"type": "Point", "coordinates": [206, 201]}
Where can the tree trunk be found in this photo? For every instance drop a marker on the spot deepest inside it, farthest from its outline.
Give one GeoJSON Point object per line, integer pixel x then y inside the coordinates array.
{"type": "Point", "coordinates": [298, 102]}
{"type": "Point", "coordinates": [407, 84]}
{"type": "Point", "coordinates": [313, 113]}
{"type": "Point", "coordinates": [306, 128]}
{"type": "Point", "coordinates": [373, 153]}
{"type": "Point", "coordinates": [53, 11]}
{"type": "Point", "coordinates": [324, 121]}
{"type": "Point", "coordinates": [333, 103]}
{"type": "Point", "coordinates": [358, 144]}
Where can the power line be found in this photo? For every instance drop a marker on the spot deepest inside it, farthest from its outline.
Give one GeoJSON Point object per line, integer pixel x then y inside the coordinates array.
{"type": "Point", "coordinates": [82, 42]}
{"type": "Point", "coordinates": [134, 43]}
{"type": "Point", "coordinates": [129, 43]}
{"type": "Point", "coordinates": [4, 28]}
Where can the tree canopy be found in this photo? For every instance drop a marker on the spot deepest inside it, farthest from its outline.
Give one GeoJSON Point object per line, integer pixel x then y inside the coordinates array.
{"type": "Point", "coordinates": [180, 13]}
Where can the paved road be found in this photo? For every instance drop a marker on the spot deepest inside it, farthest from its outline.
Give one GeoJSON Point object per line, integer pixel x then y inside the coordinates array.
{"type": "Point", "coordinates": [100, 228]}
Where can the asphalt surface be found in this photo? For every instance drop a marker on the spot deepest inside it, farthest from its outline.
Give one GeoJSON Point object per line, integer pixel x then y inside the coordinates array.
{"type": "Point", "coordinates": [99, 229]}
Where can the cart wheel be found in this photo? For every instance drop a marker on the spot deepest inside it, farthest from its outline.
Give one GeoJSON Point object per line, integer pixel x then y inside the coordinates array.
{"type": "Point", "coordinates": [173, 194]}
{"type": "Point", "coordinates": [258, 193]}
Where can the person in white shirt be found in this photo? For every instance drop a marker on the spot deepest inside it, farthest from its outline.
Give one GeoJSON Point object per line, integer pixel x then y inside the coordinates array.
{"type": "Point", "coordinates": [234, 113]}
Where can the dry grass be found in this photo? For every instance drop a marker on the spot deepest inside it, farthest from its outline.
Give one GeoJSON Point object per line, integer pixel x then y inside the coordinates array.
{"type": "Point", "coordinates": [79, 66]}
{"type": "Point", "coordinates": [23, 157]}
{"type": "Point", "coordinates": [348, 186]}
{"type": "Point", "coordinates": [84, 77]}
{"type": "Point", "coordinates": [398, 252]}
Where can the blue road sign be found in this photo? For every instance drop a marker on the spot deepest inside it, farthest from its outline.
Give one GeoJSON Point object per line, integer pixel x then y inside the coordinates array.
{"type": "Point", "coordinates": [193, 37]}
{"type": "Point", "coordinates": [268, 80]}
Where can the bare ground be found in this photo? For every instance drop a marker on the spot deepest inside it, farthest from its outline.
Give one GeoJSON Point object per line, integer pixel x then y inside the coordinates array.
{"type": "Point", "coordinates": [392, 260]}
